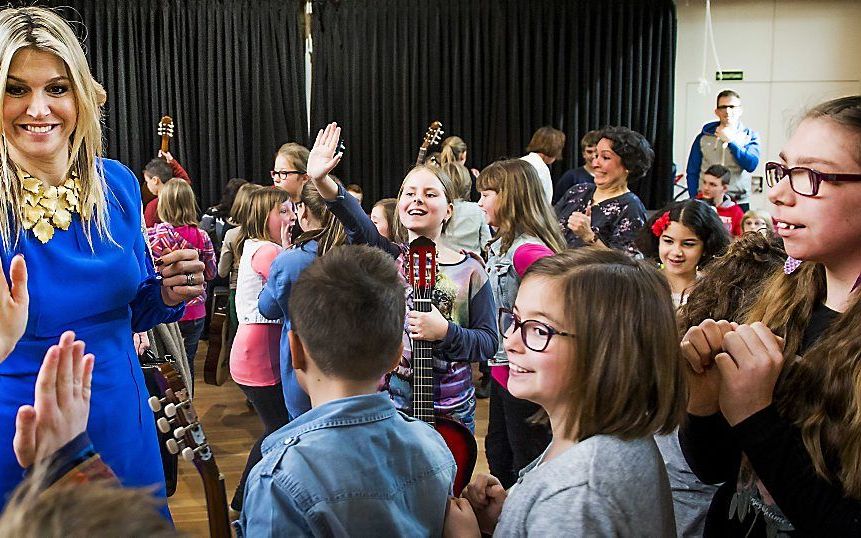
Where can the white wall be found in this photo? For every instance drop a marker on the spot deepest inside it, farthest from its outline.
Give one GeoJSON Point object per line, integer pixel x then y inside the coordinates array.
{"type": "Point", "coordinates": [794, 54]}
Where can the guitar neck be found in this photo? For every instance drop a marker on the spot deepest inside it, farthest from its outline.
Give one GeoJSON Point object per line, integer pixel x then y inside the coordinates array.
{"type": "Point", "coordinates": [216, 498]}
{"type": "Point", "coordinates": [421, 157]}
{"type": "Point", "coordinates": [422, 360]}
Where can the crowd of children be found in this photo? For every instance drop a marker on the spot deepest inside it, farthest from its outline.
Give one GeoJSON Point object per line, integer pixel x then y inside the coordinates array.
{"type": "Point", "coordinates": [692, 372]}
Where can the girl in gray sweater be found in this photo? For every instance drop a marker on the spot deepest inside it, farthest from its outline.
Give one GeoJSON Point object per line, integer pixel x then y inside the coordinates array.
{"type": "Point", "coordinates": [591, 338]}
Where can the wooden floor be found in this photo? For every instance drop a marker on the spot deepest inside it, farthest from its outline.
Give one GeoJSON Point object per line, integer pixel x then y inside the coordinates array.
{"type": "Point", "coordinates": [231, 429]}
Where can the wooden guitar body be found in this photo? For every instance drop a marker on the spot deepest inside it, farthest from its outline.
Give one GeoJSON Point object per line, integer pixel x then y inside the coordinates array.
{"type": "Point", "coordinates": [216, 368]}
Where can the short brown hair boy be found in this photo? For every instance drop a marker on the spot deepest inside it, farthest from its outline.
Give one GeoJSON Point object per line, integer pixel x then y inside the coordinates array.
{"type": "Point", "coordinates": [348, 310]}
{"type": "Point", "coordinates": [548, 141]}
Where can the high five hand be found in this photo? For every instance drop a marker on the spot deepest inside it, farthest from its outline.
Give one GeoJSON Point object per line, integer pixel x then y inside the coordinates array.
{"type": "Point", "coordinates": [322, 158]}
{"type": "Point", "coordinates": [14, 302]}
{"type": "Point", "coordinates": [62, 402]}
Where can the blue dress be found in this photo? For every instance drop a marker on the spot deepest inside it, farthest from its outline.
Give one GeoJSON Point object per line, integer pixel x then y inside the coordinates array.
{"type": "Point", "coordinates": [103, 295]}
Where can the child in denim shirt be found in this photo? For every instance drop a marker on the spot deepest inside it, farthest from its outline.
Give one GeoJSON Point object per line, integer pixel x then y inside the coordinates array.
{"type": "Point", "coordinates": [353, 464]}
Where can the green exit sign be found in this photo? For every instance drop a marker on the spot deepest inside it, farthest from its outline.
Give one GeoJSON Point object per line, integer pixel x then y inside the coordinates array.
{"type": "Point", "coordinates": [729, 75]}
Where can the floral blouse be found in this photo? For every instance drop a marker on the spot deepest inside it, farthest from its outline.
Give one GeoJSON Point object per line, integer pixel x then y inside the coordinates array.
{"type": "Point", "coordinates": [616, 221]}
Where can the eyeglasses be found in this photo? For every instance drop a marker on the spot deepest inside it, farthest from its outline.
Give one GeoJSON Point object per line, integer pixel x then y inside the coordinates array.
{"type": "Point", "coordinates": [536, 335]}
{"type": "Point", "coordinates": [284, 174]}
{"type": "Point", "coordinates": [803, 181]}
{"type": "Point", "coordinates": [728, 107]}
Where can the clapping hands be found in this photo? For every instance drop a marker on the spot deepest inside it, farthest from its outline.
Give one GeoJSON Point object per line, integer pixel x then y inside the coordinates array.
{"type": "Point", "coordinates": [14, 304]}
{"type": "Point", "coordinates": [733, 368]}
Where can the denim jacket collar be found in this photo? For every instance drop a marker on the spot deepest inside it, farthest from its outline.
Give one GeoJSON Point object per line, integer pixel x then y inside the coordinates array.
{"type": "Point", "coordinates": [350, 411]}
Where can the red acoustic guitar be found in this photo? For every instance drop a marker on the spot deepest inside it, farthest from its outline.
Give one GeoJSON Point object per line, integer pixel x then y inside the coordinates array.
{"type": "Point", "coordinates": [189, 441]}
{"type": "Point", "coordinates": [461, 442]}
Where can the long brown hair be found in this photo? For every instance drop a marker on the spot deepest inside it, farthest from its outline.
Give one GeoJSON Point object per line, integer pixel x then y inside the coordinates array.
{"type": "Point", "coordinates": [331, 233]}
{"type": "Point", "coordinates": [176, 204]}
{"type": "Point", "coordinates": [260, 203]}
{"type": "Point", "coordinates": [625, 376]}
{"type": "Point", "coordinates": [820, 393]}
{"type": "Point", "coordinates": [520, 204]}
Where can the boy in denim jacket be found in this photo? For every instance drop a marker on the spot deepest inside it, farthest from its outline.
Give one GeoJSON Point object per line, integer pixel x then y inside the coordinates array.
{"type": "Point", "coordinates": [353, 464]}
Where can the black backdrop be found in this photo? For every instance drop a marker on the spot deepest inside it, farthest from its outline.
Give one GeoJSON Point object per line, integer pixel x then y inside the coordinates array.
{"type": "Point", "coordinates": [492, 71]}
{"type": "Point", "coordinates": [231, 73]}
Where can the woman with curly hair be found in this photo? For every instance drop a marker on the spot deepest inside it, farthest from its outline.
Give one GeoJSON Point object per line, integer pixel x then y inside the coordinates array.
{"type": "Point", "coordinates": [606, 213]}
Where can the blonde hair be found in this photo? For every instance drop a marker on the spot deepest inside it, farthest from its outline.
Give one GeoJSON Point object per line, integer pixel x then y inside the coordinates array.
{"type": "Point", "coordinates": [260, 203]}
{"type": "Point", "coordinates": [399, 232]}
{"type": "Point", "coordinates": [240, 204]}
{"type": "Point", "coordinates": [297, 152]}
{"type": "Point", "coordinates": [624, 377]}
{"type": "Point", "coordinates": [331, 233]}
{"type": "Point", "coordinates": [176, 203]}
{"type": "Point", "coordinates": [460, 177]}
{"type": "Point", "coordinates": [759, 214]}
{"type": "Point", "coordinates": [453, 148]}
{"type": "Point", "coordinates": [520, 204]}
{"type": "Point", "coordinates": [41, 29]}
{"type": "Point", "coordinates": [97, 508]}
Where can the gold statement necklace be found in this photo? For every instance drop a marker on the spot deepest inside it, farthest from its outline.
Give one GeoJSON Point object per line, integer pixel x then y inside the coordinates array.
{"type": "Point", "coordinates": [47, 207]}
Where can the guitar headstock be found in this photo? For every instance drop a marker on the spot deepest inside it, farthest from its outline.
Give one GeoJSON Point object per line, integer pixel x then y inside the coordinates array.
{"type": "Point", "coordinates": [165, 127]}
{"type": "Point", "coordinates": [178, 418]}
{"type": "Point", "coordinates": [433, 135]}
{"type": "Point", "coordinates": [422, 266]}
{"type": "Point", "coordinates": [165, 131]}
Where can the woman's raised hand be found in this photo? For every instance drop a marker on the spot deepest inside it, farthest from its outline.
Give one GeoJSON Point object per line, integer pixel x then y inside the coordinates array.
{"type": "Point", "coordinates": [14, 302]}
{"type": "Point", "coordinates": [322, 158]}
{"type": "Point", "coordinates": [182, 276]}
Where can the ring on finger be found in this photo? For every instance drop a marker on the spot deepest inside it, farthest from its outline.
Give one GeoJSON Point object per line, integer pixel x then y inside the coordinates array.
{"type": "Point", "coordinates": [189, 280]}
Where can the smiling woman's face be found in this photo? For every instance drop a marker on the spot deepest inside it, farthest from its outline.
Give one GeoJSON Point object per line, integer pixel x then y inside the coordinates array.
{"type": "Point", "coordinates": [423, 207]}
{"type": "Point", "coordinates": [39, 108]}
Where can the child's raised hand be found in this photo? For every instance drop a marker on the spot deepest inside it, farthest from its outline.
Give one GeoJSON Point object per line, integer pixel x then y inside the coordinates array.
{"type": "Point", "coordinates": [460, 520]}
{"type": "Point", "coordinates": [427, 326]}
{"type": "Point", "coordinates": [14, 304]}
{"type": "Point", "coordinates": [62, 402]}
{"type": "Point", "coordinates": [748, 370]}
{"type": "Point", "coordinates": [486, 496]}
{"type": "Point", "coordinates": [322, 158]}
{"type": "Point", "coordinates": [699, 347]}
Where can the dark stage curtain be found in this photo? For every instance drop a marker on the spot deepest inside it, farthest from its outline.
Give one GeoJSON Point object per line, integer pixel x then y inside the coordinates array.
{"type": "Point", "coordinates": [230, 73]}
{"type": "Point", "coordinates": [492, 71]}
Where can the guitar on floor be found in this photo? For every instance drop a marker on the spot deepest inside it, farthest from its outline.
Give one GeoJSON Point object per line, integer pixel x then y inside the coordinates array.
{"type": "Point", "coordinates": [432, 136]}
{"type": "Point", "coordinates": [216, 367]}
{"type": "Point", "coordinates": [461, 442]}
{"type": "Point", "coordinates": [177, 415]}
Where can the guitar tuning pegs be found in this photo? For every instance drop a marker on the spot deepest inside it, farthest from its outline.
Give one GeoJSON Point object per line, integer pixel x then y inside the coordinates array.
{"type": "Point", "coordinates": [179, 432]}
{"type": "Point", "coordinates": [188, 454]}
{"type": "Point", "coordinates": [154, 404]}
{"type": "Point", "coordinates": [172, 446]}
{"type": "Point", "coordinates": [163, 425]}
{"type": "Point", "coordinates": [170, 410]}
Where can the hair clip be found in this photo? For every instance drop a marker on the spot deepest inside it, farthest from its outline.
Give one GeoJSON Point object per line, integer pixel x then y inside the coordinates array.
{"type": "Point", "coordinates": [661, 224]}
{"type": "Point", "coordinates": [791, 265]}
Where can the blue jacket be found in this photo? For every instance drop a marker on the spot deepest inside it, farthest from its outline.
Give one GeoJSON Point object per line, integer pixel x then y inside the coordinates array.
{"type": "Point", "coordinates": [350, 467]}
{"type": "Point", "coordinates": [745, 156]}
{"type": "Point", "coordinates": [273, 303]}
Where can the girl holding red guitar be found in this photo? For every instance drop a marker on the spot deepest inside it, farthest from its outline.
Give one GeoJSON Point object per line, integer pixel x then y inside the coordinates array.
{"type": "Point", "coordinates": [461, 323]}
